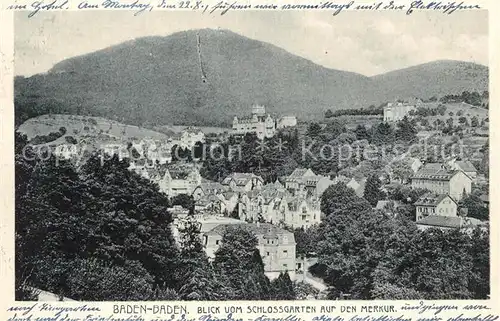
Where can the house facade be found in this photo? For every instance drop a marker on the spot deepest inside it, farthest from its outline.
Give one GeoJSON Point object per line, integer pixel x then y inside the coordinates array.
{"type": "Point", "coordinates": [396, 111]}
{"type": "Point", "coordinates": [304, 182]}
{"type": "Point", "coordinates": [278, 206]}
{"type": "Point", "coordinates": [175, 181]}
{"type": "Point", "coordinates": [441, 205]}
{"type": "Point", "coordinates": [436, 178]}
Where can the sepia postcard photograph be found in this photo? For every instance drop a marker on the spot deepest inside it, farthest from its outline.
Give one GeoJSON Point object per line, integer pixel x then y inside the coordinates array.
{"type": "Point", "coordinates": [251, 156]}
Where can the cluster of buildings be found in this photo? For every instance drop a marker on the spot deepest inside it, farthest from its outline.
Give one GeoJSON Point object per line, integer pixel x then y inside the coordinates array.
{"type": "Point", "coordinates": [292, 202]}
{"type": "Point", "coordinates": [447, 185]}
{"type": "Point", "coordinates": [261, 124]}
{"type": "Point", "coordinates": [269, 211]}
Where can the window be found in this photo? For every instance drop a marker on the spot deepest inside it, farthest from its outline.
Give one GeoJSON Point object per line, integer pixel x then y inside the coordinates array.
{"type": "Point", "coordinates": [267, 253]}
{"type": "Point", "coordinates": [285, 239]}
{"type": "Point", "coordinates": [217, 242]}
{"type": "Point", "coordinates": [285, 253]}
{"type": "Point", "coordinates": [285, 266]}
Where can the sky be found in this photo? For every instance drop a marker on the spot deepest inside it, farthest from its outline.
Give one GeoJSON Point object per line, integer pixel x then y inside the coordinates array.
{"type": "Point", "coordinates": [368, 43]}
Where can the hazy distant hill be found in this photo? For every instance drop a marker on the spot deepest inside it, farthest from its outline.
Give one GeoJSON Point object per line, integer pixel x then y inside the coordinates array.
{"type": "Point", "coordinates": [435, 78]}
{"type": "Point", "coordinates": [205, 77]}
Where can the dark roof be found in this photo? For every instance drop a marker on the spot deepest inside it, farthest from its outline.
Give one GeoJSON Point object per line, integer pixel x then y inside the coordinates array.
{"type": "Point", "coordinates": [264, 230]}
{"type": "Point", "coordinates": [241, 179]}
{"type": "Point", "coordinates": [466, 166]}
{"type": "Point", "coordinates": [430, 199]}
{"type": "Point", "coordinates": [434, 171]}
{"type": "Point", "coordinates": [209, 186]}
{"type": "Point", "coordinates": [441, 221]}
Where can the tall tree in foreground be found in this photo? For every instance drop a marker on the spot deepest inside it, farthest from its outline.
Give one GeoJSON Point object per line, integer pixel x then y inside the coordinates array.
{"type": "Point", "coordinates": [283, 287]}
{"type": "Point", "coordinates": [373, 192]}
{"type": "Point", "coordinates": [238, 261]}
{"type": "Point", "coordinates": [196, 278]}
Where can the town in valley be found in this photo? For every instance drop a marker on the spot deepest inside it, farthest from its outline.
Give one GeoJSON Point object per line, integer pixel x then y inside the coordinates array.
{"type": "Point", "coordinates": [218, 178]}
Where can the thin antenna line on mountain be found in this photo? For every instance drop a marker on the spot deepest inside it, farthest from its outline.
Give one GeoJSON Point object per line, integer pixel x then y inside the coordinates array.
{"type": "Point", "coordinates": [200, 61]}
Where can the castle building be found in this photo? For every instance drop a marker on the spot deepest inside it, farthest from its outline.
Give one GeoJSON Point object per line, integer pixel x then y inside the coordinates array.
{"type": "Point", "coordinates": [260, 123]}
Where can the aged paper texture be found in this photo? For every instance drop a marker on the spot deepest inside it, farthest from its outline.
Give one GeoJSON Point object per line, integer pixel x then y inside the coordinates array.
{"type": "Point", "coordinates": [248, 160]}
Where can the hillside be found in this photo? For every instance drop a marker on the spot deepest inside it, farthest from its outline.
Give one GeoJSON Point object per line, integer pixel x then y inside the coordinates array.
{"type": "Point", "coordinates": [437, 78]}
{"type": "Point", "coordinates": [84, 128]}
{"type": "Point", "coordinates": [205, 77]}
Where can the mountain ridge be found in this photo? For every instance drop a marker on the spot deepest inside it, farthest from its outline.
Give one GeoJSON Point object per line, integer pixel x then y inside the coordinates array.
{"type": "Point", "coordinates": [207, 76]}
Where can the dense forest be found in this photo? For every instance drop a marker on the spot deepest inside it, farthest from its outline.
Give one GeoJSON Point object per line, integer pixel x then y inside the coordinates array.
{"type": "Point", "coordinates": [104, 233]}
{"type": "Point", "coordinates": [366, 254]}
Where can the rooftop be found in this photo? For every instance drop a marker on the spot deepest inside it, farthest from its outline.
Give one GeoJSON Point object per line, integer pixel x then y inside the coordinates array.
{"type": "Point", "coordinates": [441, 221]}
{"type": "Point", "coordinates": [466, 166]}
{"type": "Point", "coordinates": [435, 171]}
{"type": "Point", "coordinates": [241, 179]}
{"type": "Point", "coordinates": [430, 199]}
{"type": "Point", "coordinates": [264, 230]}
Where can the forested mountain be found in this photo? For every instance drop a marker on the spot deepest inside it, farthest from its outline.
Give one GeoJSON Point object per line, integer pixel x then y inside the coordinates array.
{"type": "Point", "coordinates": [205, 77]}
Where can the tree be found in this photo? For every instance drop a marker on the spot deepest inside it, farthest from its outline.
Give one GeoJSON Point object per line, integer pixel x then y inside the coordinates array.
{"type": "Point", "coordinates": [236, 213]}
{"type": "Point", "coordinates": [197, 280]}
{"type": "Point", "coordinates": [283, 287]}
{"type": "Point", "coordinates": [94, 280]}
{"type": "Point", "coordinates": [474, 122]}
{"type": "Point", "coordinates": [340, 199]}
{"type": "Point", "coordinates": [101, 212]}
{"type": "Point", "coordinates": [361, 132]}
{"type": "Point", "coordinates": [382, 133]}
{"type": "Point", "coordinates": [333, 129]}
{"type": "Point", "coordinates": [238, 262]}
{"type": "Point", "coordinates": [373, 193]}
{"type": "Point", "coordinates": [479, 278]}
{"type": "Point", "coordinates": [401, 170]}
{"type": "Point", "coordinates": [305, 240]}
{"type": "Point", "coordinates": [184, 200]}
{"type": "Point", "coordinates": [406, 130]}
{"type": "Point", "coordinates": [475, 207]}
{"type": "Point", "coordinates": [441, 109]}
{"type": "Point", "coordinates": [314, 130]}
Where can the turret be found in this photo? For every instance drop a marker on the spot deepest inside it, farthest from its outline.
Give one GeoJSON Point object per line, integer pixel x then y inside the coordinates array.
{"type": "Point", "coordinates": [258, 110]}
